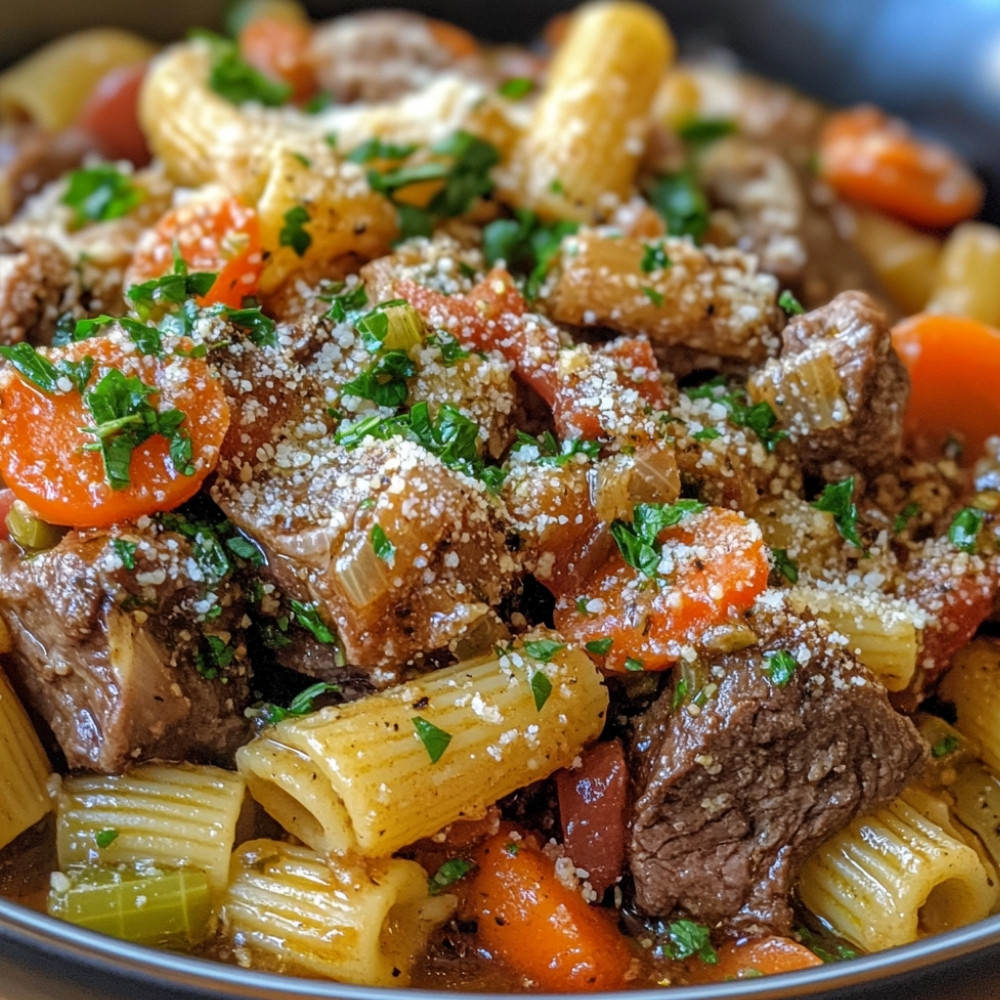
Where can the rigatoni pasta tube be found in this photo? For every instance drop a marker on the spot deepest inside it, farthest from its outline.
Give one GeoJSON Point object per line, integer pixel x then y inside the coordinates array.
{"type": "Point", "coordinates": [579, 155]}
{"type": "Point", "coordinates": [973, 686]}
{"type": "Point", "coordinates": [24, 769]}
{"type": "Point", "coordinates": [379, 773]}
{"type": "Point", "coordinates": [49, 86]}
{"type": "Point", "coordinates": [894, 875]}
{"type": "Point", "coordinates": [967, 278]}
{"type": "Point", "coordinates": [178, 815]}
{"type": "Point", "coordinates": [291, 909]}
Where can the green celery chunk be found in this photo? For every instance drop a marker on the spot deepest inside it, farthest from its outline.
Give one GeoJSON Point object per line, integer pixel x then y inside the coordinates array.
{"type": "Point", "coordinates": [168, 907]}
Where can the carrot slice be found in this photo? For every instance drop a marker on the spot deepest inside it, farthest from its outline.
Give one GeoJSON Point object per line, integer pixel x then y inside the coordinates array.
{"type": "Point", "coordinates": [765, 956]}
{"type": "Point", "coordinates": [280, 49]}
{"type": "Point", "coordinates": [222, 237]}
{"type": "Point", "coordinates": [540, 927]}
{"type": "Point", "coordinates": [631, 622]}
{"type": "Point", "coordinates": [49, 460]}
{"type": "Point", "coordinates": [954, 366]}
{"type": "Point", "coordinates": [872, 158]}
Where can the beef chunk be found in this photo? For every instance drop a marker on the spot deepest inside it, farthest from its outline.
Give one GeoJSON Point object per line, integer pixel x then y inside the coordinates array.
{"type": "Point", "coordinates": [732, 799]}
{"type": "Point", "coordinates": [128, 664]}
{"type": "Point", "coordinates": [35, 276]}
{"type": "Point", "coordinates": [838, 387]}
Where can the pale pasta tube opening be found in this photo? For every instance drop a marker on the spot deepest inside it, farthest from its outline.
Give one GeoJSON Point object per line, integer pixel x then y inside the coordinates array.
{"type": "Point", "coordinates": [293, 910]}
{"type": "Point", "coordinates": [379, 773]}
{"type": "Point", "coordinates": [973, 686]}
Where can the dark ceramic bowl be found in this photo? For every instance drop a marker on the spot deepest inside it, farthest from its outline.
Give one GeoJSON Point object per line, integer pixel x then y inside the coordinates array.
{"type": "Point", "coordinates": [935, 63]}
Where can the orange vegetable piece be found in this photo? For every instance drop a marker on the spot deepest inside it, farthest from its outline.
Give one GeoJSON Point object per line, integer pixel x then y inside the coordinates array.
{"type": "Point", "coordinates": [42, 437]}
{"type": "Point", "coordinates": [874, 159]}
{"type": "Point", "coordinates": [456, 40]}
{"type": "Point", "coordinates": [765, 956]}
{"type": "Point", "coordinates": [111, 115]}
{"type": "Point", "coordinates": [719, 568]}
{"type": "Point", "coordinates": [281, 49]}
{"type": "Point", "coordinates": [538, 926]}
{"type": "Point", "coordinates": [954, 366]}
{"type": "Point", "coordinates": [222, 237]}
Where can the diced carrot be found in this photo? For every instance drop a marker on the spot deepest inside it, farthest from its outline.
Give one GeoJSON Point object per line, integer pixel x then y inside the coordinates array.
{"type": "Point", "coordinates": [539, 926]}
{"type": "Point", "coordinates": [592, 802]}
{"type": "Point", "coordinates": [44, 455]}
{"type": "Point", "coordinates": [954, 366]}
{"type": "Point", "coordinates": [867, 156]}
{"type": "Point", "coordinates": [222, 237]}
{"type": "Point", "coordinates": [456, 40]}
{"type": "Point", "coordinates": [111, 115]}
{"type": "Point", "coordinates": [494, 316]}
{"type": "Point", "coordinates": [766, 956]}
{"type": "Point", "coordinates": [718, 568]}
{"type": "Point", "coordinates": [281, 49]}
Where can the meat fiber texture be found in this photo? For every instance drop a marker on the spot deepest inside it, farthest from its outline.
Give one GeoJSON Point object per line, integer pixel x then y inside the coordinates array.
{"type": "Point", "coordinates": [733, 796]}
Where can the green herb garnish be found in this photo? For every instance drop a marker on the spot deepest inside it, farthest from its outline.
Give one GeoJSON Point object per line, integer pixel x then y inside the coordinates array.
{"type": "Point", "coordinates": [448, 874]}
{"type": "Point", "coordinates": [100, 193]}
{"type": "Point", "coordinates": [435, 740]}
{"type": "Point", "coordinates": [781, 666]}
{"type": "Point", "coordinates": [383, 547]}
{"type": "Point", "coordinates": [965, 527]}
{"type": "Point", "coordinates": [638, 542]}
{"type": "Point", "coordinates": [293, 233]}
{"type": "Point", "coordinates": [837, 499]}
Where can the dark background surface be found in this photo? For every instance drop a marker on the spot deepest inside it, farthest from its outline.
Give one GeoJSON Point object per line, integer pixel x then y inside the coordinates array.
{"type": "Point", "coordinates": [937, 63]}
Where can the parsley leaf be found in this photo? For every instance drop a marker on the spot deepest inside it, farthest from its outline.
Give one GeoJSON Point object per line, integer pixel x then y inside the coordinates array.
{"type": "Point", "coordinates": [687, 939]}
{"type": "Point", "coordinates": [760, 418]}
{"type": "Point", "coordinates": [553, 453]}
{"type": "Point", "coordinates": [681, 203]}
{"type": "Point", "coordinates": [599, 647]}
{"type": "Point", "coordinates": [384, 380]}
{"type": "Point", "coordinates": [451, 350]}
{"type": "Point", "coordinates": [527, 244]}
{"type": "Point", "coordinates": [448, 874]}
{"type": "Point", "coordinates": [638, 542]}
{"type": "Point", "coordinates": [105, 838]}
{"type": "Point", "coordinates": [700, 131]}
{"type": "Point", "coordinates": [435, 740]}
{"type": "Point", "coordinates": [788, 568]}
{"type": "Point", "coordinates": [653, 295]}
{"type": "Point", "coordinates": [261, 329]}
{"type": "Point", "coordinates": [900, 521]}
{"type": "Point", "coordinates": [344, 302]}
{"type": "Point", "coordinates": [836, 499]}
{"type": "Point", "coordinates": [125, 550]}
{"type": "Point", "coordinates": [214, 656]}
{"type": "Point", "coordinates": [944, 746]}
{"type": "Point", "coordinates": [245, 549]}
{"type": "Point", "coordinates": [516, 88]}
{"type": "Point", "coordinates": [543, 649]}
{"type": "Point", "coordinates": [633, 665]}
{"type": "Point", "coordinates": [965, 527]}
{"type": "Point", "coordinates": [293, 233]}
{"type": "Point", "coordinates": [382, 545]}
{"type": "Point", "coordinates": [790, 304]}
{"type": "Point", "coordinates": [41, 372]}
{"type": "Point", "coordinates": [301, 704]}
{"type": "Point", "coordinates": [307, 615]}
{"type": "Point", "coordinates": [781, 666]}
{"type": "Point", "coordinates": [376, 149]}
{"type": "Point", "coordinates": [654, 258]}
{"type": "Point", "coordinates": [236, 80]}
{"type": "Point", "coordinates": [100, 193]}
{"type": "Point", "coordinates": [541, 688]}
{"type": "Point", "coordinates": [170, 289]}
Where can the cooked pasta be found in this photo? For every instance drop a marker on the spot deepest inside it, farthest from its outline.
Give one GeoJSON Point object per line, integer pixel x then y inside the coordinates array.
{"type": "Point", "coordinates": [178, 815]}
{"type": "Point", "coordinates": [966, 281]}
{"type": "Point", "coordinates": [379, 773]}
{"type": "Point", "coordinates": [893, 876]}
{"type": "Point", "coordinates": [24, 769]}
{"type": "Point", "coordinates": [291, 909]}
{"type": "Point", "coordinates": [50, 86]}
{"type": "Point", "coordinates": [973, 686]}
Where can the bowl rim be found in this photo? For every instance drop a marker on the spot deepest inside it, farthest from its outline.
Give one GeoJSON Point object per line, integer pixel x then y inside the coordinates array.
{"type": "Point", "coordinates": [166, 969]}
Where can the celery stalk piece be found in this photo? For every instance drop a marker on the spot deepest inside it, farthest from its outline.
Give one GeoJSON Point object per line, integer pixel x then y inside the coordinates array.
{"type": "Point", "coordinates": [30, 531]}
{"type": "Point", "coordinates": [145, 906]}
{"type": "Point", "coordinates": [405, 330]}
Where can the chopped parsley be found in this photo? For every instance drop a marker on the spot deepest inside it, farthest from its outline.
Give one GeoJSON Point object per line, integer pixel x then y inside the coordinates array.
{"type": "Point", "coordinates": [826, 950]}
{"type": "Point", "coordinates": [307, 616]}
{"type": "Point", "coordinates": [784, 566]}
{"type": "Point", "coordinates": [781, 666]}
{"type": "Point", "coordinates": [681, 691]}
{"type": "Point", "coordinates": [553, 453]}
{"type": "Point", "coordinates": [435, 740]}
{"type": "Point", "coordinates": [686, 939]}
{"type": "Point", "coordinates": [382, 545]}
{"type": "Point", "coordinates": [837, 499]}
{"type": "Point", "coordinates": [207, 548]}
{"type": "Point", "coordinates": [302, 704]}
{"type": "Point", "coordinates": [760, 417]}
{"type": "Point", "coordinates": [124, 419]}
{"type": "Point", "coordinates": [451, 350]}
{"type": "Point", "coordinates": [965, 527]}
{"type": "Point", "coordinates": [49, 377]}
{"type": "Point", "coordinates": [516, 88]}
{"type": "Point", "coordinates": [638, 542]}
{"type": "Point", "coordinates": [653, 295]}
{"type": "Point", "coordinates": [125, 550]}
{"type": "Point", "coordinates": [343, 303]}
{"type": "Point", "coordinates": [236, 80]}
{"type": "Point", "coordinates": [376, 149]}
{"type": "Point", "coordinates": [633, 665]}
{"type": "Point", "coordinates": [790, 304]}
{"type": "Point", "coordinates": [105, 838]}
{"type": "Point", "coordinates": [293, 233]}
{"type": "Point", "coordinates": [541, 688]}
{"type": "Point", "coordinates": [707, 434]}
{"type": "Point", "coordinates": [243, 548]}
{"type": "Point", "coordinates": [599, 647]}
{"type": "Point", "coordinates": [900, 521]}
{"type": "Point", "coordinates": [448, 874]}
{"type": "Point", "coordinates": [100, 193]}
{"type": "Point", "coordinates": [170, 289]}
{"type": "Point", "coordinates": [946, 745]}
{"type": "Point", "coordinates": [701, 131]}
{"type": "Point", "coordinates": [681, 203]}
{"type": "Point", "coordinates": [654, 258]}
{"type": "Point", "coordinates": [384, 380]}
{"type": "Point", "coordinates": [557, 186]}
{"type": "Point", "coordinates": [214, 655]}
{"type": "Point", "coordinates": [260, 328]}
{"type": "Point", "coordinates": [543, 649]}
{"type": "Point", "coordinates": [526, 244]}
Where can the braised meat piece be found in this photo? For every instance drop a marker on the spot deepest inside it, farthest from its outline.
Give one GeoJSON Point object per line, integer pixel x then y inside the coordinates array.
{"type": "Point", "coordinates": [838, 387]}
{"type": "Point", "coordinates": [129, 646]}
{"type": "Point", "coordinates": [796, 740]}
{"type": "Point", "coordinates": [35, 279]}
